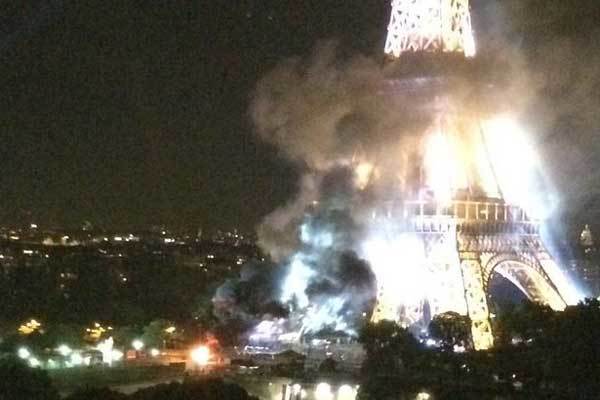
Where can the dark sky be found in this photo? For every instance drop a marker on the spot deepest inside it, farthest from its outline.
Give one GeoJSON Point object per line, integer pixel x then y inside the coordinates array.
{"type": "Point", "coordinates": [132, 113]}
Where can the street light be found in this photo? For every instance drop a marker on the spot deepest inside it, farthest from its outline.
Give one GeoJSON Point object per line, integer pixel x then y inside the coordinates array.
{"type": "Point", "coordinates": [423, 396]}
{"type": "Point", "coordinates": [137, 344]}
{"type": "Point", "coordinates": [23, 353]}
{"type": "Point", "coordinates": [64, 350]}
{"type": "Point", "coordinates": [323, 392]}
{"type": "Point", "coordinates": [345, 392]}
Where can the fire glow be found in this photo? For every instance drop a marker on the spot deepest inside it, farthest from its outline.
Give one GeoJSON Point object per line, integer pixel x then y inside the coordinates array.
{"type": "Point", "coordinates": [393, 167]}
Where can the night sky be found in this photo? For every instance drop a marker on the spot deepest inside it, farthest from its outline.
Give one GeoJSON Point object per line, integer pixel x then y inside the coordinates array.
{"type": "Point", "coordinates": [134, 113]}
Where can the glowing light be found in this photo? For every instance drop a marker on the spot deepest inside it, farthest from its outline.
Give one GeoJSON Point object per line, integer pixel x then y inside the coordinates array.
{"type": "Point", "coordinates": [323, 392]}
{"type": "Point", "coordinates": [423, 396]}
{"type": "Point", "coordinates": [345, 392]}
{"type": "Point", "coordinates": [170, 330]}
{"type": "Point", "coordinates": [397, 264]}
{"type": "Point", "coordinates": [23, 353]}
{"type": "Point", "coordinates": [430, 25]}
{"type": "Point", "coordinates": [458, 349]}
{"type": "Point", "coordinates": [106, 348]}
{"type": "Point", "coordinates": [34, 362]}
{"type": "Point", "coordinates": [137, 344]}
{"type": "Point", "coordinates": [64, 350]}
{"type": "Point", "coordinates": [29, 327]}
{"type": "Point", "coordinates": [363, 173]}
{"type": "Point", "coordinates": [296, 282]}
{"type": "Point", "coordinates": [296, 389]}
{"type": "Point", "coordinates": [316, 238]}
{"type": "Point", "coordinates": [200, 355]}
{"type": "Point", "coordinates": [515, 166]}
{"type": "Point", "coordinates": [116, 355]}
{"type": "Point", "coordinates": [154, 352]}
{"type": "Point", "coordinates": [76, 359]}
{"type": "Point", "coordinates": [327, 313]}
{"type": "Point", "coordinates": [445, 172]}
{"type": "Point", "coordinates": [267, 330]}
{"type": "Point", "coordinates": [95, 333]}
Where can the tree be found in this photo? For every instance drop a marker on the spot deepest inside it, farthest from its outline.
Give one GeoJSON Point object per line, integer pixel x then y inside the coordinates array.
{"type": "Point", "coordinates": [557, 350]}
{"type": "Point", "coordinates": [210, 389]}
{"type": "Point", "coordinates": [18, 381]}
{"type": "Point", "coordinates": [156, 334]}
{"type": "Point", "coordinates": [125, 335]}
{"type": "Point", "coordinates": [528, 322]}
{"type": "Point", "coordinates": [451, 329]}
{"type": "Point", "coordinates": [96, 394]}
{"type": "Point", "coordinates": [328, 366]}
{"type": "Point", "coordinates": [389, 347]}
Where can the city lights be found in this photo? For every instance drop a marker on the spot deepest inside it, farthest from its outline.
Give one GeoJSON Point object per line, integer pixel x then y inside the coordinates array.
{"type": "Point", "coordinates": [29, 327]}
{"type": "Point", "coordinates": [137, 345]}
{"type": "Point", "coordinates": [423, 396]}
{"type": "Point", "coordinates": [76, 359]}
{"type": "Point", "coordinates": [109, 354]}
{"type": "Point", "coordinates": [323, 392]}
{"type": "Point", "coordinates": [200, 355]}
{"type": "Point", "coordinates": [116, 355]}
{"type": "Point", "coordinates": [170, 330]}
{"type": "Point", "coordinates": [345, 392]}
{"type": "Point", "coordinates": [34, 362]}
{"type": "Point", "coordinates": [23, 353]}
{"type": "Point", "coordinates": [64, 350]}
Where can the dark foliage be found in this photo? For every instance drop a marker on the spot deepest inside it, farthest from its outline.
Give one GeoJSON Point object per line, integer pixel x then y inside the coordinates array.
{"type": "Point", "coordinates": [96, 394]}
{"type": "Point", "coordinates": [451, 329]}
{"type": "Point", "coordinates": [18, 381]}
{"type": "Point", "coordinates": [212, 389]}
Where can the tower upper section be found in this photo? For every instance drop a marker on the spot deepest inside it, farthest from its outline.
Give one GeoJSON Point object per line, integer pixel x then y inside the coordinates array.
{"type": "Point", "coordinates": [430, 26]}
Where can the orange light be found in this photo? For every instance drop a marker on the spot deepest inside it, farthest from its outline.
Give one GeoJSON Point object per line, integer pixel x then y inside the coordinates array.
{"type": "Point", "coordinates": [200, 355]}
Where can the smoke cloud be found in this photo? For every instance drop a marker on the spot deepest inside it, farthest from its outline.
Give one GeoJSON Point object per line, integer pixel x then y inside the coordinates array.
{"type": "Point", "coordinates": [358, 135]}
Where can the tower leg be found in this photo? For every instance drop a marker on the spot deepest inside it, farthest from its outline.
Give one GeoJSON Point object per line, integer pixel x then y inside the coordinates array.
{"type": "Point", "coordinates": [476, 299]}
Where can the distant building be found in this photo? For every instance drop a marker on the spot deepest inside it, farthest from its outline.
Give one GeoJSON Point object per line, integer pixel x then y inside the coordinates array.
{"type": "Point", "coordinates": [586, 265]}
{"type": "Point", "coordinates": [586, 240]}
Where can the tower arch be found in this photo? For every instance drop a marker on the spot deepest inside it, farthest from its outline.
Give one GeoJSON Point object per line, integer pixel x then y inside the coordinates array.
{"type": "Point", "coordinates": [527, 274]}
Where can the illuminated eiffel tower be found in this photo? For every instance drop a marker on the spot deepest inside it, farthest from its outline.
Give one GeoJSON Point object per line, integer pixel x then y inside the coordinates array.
{"type": "Point", "coordinates": [475, 233]}
{"type": "Point", "coordinates": [430, 25]}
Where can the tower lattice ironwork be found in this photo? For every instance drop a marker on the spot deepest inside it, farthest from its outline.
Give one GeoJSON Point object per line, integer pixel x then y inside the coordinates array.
{"type": "Point", "coordinates": [430, 25]}
{"type": "Point", "coordinates": [466, 240]}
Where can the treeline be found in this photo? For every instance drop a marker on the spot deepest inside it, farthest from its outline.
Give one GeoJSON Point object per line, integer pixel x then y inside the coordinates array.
{"type": "Point", "coordinates": [82, 288]}
{"type": "Point", "coordinates": [17, 381]}
{"type": "Point", "coordinates": [539, 354]}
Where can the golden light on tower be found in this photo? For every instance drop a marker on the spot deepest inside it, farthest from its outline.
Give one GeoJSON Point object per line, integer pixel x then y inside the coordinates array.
{"type": "Point", "coordinates": [477, 205]}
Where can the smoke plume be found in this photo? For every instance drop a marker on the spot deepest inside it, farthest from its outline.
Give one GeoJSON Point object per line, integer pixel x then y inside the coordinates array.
{"type": "Point", "coordinates": [359, 134]}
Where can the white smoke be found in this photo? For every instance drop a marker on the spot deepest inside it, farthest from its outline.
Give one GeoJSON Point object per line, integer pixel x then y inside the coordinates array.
{"type": "Point", "coordinates": [362, 140]}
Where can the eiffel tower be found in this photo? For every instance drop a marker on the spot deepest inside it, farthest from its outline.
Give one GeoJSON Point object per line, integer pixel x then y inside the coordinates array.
{"type": "Point", "coordinates": [471, 233]}
{"type": "Point", "coordinates": [430, 25]}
